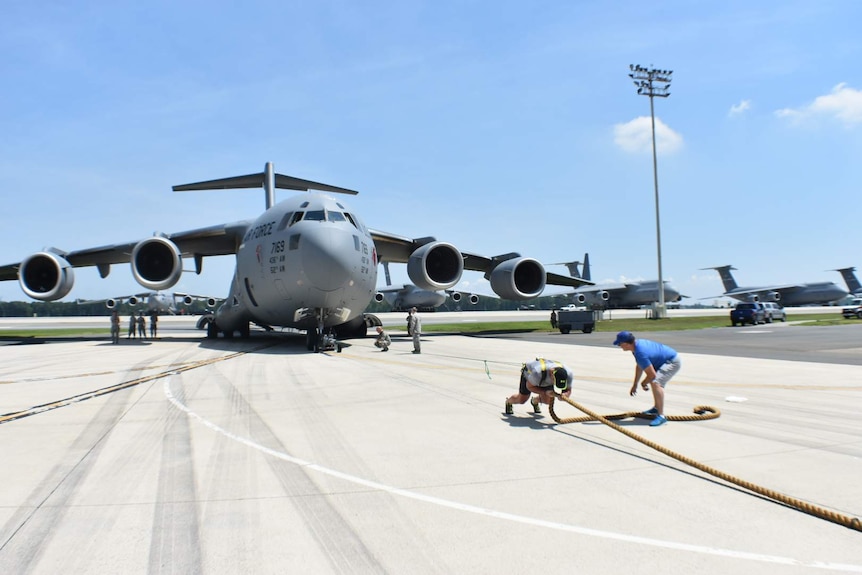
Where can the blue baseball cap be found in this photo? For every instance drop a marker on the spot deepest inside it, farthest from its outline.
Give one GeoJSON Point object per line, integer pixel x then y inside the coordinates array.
{"type": "Point", "coordinates": [624, 337]}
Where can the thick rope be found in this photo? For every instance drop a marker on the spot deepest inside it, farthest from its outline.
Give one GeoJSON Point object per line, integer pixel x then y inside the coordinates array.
{"type": "Point", "coordinates": [840, 519]}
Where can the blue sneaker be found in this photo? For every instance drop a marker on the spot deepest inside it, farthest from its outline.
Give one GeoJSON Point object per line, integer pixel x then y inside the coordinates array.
{"type": "Point", "coordinates": [651, 411]}
{"type": "Point", "coordinates": [659, 420]}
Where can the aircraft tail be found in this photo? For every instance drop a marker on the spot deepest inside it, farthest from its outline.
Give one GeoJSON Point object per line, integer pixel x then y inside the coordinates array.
{"type": "Point", "coordinates": [586, 275]}
{"type": "Point", "coordinates": [853, 285]}
{"type": "Point", "coordinates": [726, 277]}
{"type": "Point", "coordinates": [268, 180]}
{"type": "Point", "coordinates": [573, 268]}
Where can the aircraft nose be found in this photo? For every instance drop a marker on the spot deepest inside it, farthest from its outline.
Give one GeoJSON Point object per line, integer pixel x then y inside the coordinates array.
{"type": "Point", "coordinates": [328, 258]}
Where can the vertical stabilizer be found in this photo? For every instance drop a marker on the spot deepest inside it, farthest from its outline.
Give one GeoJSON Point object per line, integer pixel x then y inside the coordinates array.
{"type": "Point", "coordinates": [269, 184]}
{"type": "Point", "coordinates": [586, 275]}
{"type": "Point", "coordinates": [853, 285]}
{"type": "Point", "coordinates": [386, 272]}
{"type": "Point", "coordinates": [726, 277]}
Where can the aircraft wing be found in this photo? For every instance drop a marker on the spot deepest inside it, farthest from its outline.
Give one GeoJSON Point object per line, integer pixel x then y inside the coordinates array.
{"type": "Point", "coordinates": [215, 240]}
{"type": "Point", "coordinates": [394, 248]}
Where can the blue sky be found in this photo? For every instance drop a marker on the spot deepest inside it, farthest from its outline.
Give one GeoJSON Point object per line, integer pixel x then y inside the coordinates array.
{"type": "Point", "coordinates": [498, 126]}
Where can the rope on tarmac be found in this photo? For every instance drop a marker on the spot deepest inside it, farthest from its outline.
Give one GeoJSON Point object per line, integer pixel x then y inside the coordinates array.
{"type": "Point", "coordinates": [822, 513]}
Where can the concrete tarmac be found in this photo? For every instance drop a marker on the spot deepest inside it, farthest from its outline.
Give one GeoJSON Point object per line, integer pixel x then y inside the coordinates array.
{"type": "Point", "coordinates": [184, 455]}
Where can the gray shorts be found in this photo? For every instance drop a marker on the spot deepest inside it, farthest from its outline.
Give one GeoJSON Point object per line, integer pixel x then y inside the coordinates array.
{"type": "Point", "coordinates": [667, 371]}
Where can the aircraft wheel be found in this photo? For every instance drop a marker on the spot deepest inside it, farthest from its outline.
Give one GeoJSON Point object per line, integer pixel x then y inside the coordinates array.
{"type": "Point", "coordinates": [212, 330]}
{"type": "Point", "coordinates": [245, 331]}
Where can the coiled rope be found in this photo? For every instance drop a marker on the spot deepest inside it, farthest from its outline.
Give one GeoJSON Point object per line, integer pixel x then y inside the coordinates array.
{"type": "Point", "coordinates": [701, 411]}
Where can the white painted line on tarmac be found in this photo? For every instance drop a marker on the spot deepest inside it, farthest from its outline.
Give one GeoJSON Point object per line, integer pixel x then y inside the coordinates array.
{"type": "Point", "coordinates": [674, 545]}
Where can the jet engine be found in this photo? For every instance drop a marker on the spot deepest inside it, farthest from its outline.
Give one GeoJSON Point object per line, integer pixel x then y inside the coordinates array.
{"type": "Point", "coordinates": [46, 276]}
{"type": "Point", "coordinates": [133, 301]}
{"type": "Point", "coordinates": [471, 297]}
{"type": "Point", "coordinates": [435, 266]}
{"type": "Point", "coordinates": [156, 263]}
{"type": "Point", "coordinates": [603, 295]}
{"type": "Point", "coordinates": [379, 297]}
{"type": "Point", "coordinates": [110, 303]}
{"type": "Point", "coordinates": [773, 296]}
{"type": "Point", "coordinates": [188, 300]}
{"type": "Point", "coordinates": [518, 279]}
{"type": "Point", "coordinates": [580, 298]}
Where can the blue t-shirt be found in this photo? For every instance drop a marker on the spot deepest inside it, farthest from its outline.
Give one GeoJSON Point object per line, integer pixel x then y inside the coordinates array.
{"type": "Point", "coordinates": [653, 353]}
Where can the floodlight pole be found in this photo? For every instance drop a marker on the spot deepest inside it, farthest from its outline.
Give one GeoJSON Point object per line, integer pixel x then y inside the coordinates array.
{"type": "Point", "coordinates": [652, 83]}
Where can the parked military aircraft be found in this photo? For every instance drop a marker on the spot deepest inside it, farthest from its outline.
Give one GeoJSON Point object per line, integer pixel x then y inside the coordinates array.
{"type": "Point", "coordinates": [408, 296]}
{"type": "Point", "coordinates": [307, 262]}
{"type": "Point", "coordinates": [158, 302]}
{"type": "Point", "coordinates": [624, 295]}
{"type": "Point", "coordinates": [787, 294]}
{"type": "Point", "coordinates": [851, 280]}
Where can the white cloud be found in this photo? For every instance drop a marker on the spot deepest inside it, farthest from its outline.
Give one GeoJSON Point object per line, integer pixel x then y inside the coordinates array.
{"type": "Point", "coordinates": [636, 136]}
{"type": "Point", "coordinates": [739, 108]}
{"type": "Point", "coordinates": [843, 104]}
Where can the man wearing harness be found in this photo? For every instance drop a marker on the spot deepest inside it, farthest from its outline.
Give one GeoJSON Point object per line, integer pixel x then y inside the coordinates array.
{"type": "Point", "coordinates": [543, 377]}
{"type": "Point", "coordinates": [657, 362]}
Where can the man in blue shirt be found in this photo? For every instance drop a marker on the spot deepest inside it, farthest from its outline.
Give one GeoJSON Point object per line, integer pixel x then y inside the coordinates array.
{"type": "Point", "coordinates": [657, 362]}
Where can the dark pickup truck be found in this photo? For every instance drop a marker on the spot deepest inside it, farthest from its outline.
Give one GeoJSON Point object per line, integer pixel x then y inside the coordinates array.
{"type": "Point", "coordinates": [748, 312]}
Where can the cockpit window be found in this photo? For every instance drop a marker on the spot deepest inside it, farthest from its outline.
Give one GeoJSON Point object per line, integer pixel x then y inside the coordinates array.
{"type": "Point", "coordinates": [335, 216]}
{"type": "Point", "coordinates": [296, 217]}
{"type": "Point", "coordinates": [316, 215]}
{"type": "Point", "coordinates": [285, 221]}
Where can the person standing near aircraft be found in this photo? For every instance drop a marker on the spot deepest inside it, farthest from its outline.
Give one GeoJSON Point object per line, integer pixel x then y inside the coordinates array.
{"type": "Point", "coordinates": [115, 327]}
{"type": "Point", "coordinates": [154, 320]}
{"type": "Point", "coordinates": [142, 325]}
{"type": "Point", "coordinates": [414, 328]}
{"type": "Point", "coordinates": [132, 324]}
{"type": "Point", "coordinates": [543, 377]}
{"type": "Point", "coordinates": [554, 318]}
{"type": "Point", "coordinates": [383, 340]}
{"type": "Point", "coordinates": [657, 363]}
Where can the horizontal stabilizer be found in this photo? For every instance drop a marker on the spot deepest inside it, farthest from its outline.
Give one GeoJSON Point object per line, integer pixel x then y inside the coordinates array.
{"type": "Point", "coordinates": [257, 181]}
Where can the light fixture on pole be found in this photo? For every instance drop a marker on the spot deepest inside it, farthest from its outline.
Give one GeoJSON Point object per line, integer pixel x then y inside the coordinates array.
{"type": "Point", "coordinates": [652, 83]}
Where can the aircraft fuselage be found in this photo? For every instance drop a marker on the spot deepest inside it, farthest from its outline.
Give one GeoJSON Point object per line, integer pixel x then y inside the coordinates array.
{"type": "Point", "coordinates": [305, 256]}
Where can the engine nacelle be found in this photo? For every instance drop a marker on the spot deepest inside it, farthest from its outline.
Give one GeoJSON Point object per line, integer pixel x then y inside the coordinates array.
{"type": "Point", "coordinates": [580, 298]}
{"type": "Point", "coordinates": [211, 302]}
{"type": "Point", "coordinates": [603, 295]}
{"type": "Point", "coordinates": [379, 297]}
{"type": "Point", "coordinates": [518, 279]}
{"type": "Point", "coordinates": [435, 266]}
{"type": "Point", "coordinates": [458, 296]}
{"type": "Point", "coordinates": [773, 296]}
{"type": "Point", "coordinates": [188, 300]}
{"type": "Point", "coordinates": [156, 263]}
{"type": "Point", "coordinates": [133, 301]}
{"type": "Point", "coordinates": [46, 276]}
{"type": "Point", "coordinates": [110, 303]}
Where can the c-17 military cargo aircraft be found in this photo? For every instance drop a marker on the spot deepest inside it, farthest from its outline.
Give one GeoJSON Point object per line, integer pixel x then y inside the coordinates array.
{"type": "Point", "coordinates": [409, 296]}
{"type": "Point", "coordinates": [307, 262]}
{"type": "Point", "coordinates": [158, 302]}
{"type": "Point", "coordinates": [611, 296]}
{"type": "Point", "coordinates": [787, 294]}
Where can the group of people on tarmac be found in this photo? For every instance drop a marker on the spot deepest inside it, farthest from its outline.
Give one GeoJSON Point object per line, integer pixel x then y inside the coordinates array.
{"type": "Point", "coordinates": [414, 330]}
{"type": "Point", "coordinates": [543, 379]}
{"type": "Point", "coordinates": [655, 365]}
{"type": "Point", "coordinates": [137, 324]}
